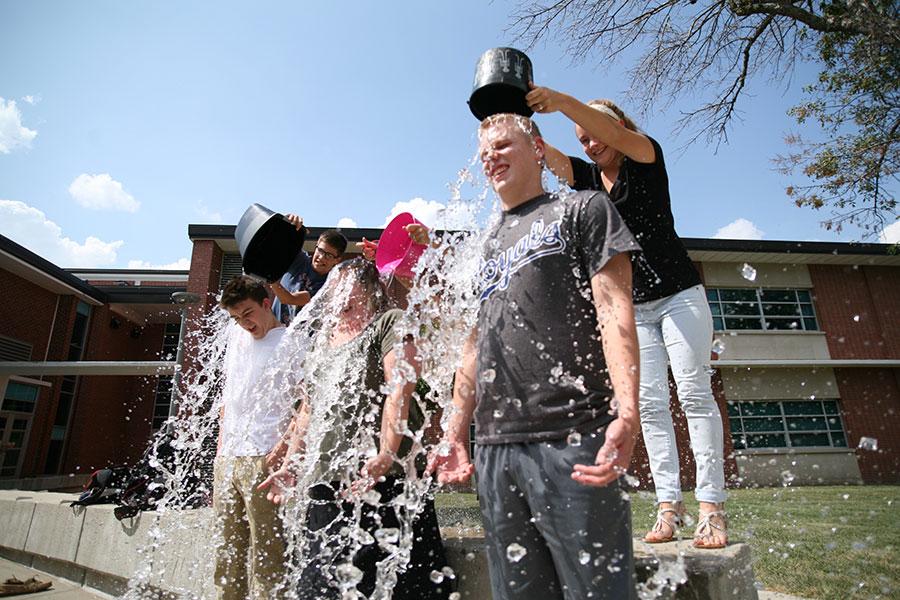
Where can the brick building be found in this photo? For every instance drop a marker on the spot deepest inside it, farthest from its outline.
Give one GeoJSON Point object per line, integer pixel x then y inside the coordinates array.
{"type": "Point", "coordinates": [810, 360]}
{"type": "Point", "coordinates": [66, 406]}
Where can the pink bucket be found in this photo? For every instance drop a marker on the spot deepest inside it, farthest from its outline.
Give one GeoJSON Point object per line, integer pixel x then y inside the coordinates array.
{"type": "Point", "coordinates": [396, 252]}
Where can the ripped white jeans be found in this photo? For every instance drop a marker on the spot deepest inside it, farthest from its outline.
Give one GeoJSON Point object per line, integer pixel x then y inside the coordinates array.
{"type": "Point", "coordinates": [678, 330]}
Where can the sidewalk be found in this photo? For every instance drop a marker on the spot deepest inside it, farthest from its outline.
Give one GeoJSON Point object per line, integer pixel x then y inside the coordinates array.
{"type": "Point", "coordinates": [61, 590]}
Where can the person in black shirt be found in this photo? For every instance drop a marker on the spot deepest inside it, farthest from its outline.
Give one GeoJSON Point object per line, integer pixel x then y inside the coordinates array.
{"type": "Point", "coordinates": [673, 318]}
{"type": "Point", "coordinates": [553, 346]}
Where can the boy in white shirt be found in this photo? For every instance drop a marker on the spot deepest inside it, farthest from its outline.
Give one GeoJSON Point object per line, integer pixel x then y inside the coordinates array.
{"type": "Point", "coordinates": [255, 410]}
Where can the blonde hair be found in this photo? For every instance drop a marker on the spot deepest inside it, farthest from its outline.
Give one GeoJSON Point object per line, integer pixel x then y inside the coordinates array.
{"type": "Point", "coordinates": [629, 124]}
{"type": "Point", "coordinates": [525, 124]}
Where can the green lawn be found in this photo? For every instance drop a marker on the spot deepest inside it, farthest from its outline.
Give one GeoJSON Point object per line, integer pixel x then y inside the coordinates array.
{"type": "Point", "coordinates": [817, 542]}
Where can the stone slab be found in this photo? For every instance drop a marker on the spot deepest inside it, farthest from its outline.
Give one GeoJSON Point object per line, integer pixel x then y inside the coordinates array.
{"type": "Point", "coordinates": [111, 546]}
{"type": "Point", "coordinates": [16, 517]}
{"type": "Point", "coordinates": [185, 562]}
{"type": "Point", "coordinates": [55, 531]}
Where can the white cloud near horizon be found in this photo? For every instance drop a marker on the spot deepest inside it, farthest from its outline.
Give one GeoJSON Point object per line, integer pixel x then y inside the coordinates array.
{"type": "Point", "coordinates": [890, 234]}
{"type": "Point", "coordinates": [435, 214]}
{"type": "Point", "coordinates": [740, 229]}
{"type": "Point", "coordinates": [31, 228]}
{"type": "Point", "coordinates": [182, 264]}
{"type": "Point", "coordinates": [12, 133]}
{"type": "Point", "coordinates": [102, 192]}
{"type": "Point", "coordinates": [209, 215]}
{"type": "Point", "coordinates": [346, 222]}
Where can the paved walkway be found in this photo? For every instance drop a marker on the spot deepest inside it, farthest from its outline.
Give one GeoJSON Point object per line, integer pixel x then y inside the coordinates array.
{"type": "Point", "coordinates": [61, 590]}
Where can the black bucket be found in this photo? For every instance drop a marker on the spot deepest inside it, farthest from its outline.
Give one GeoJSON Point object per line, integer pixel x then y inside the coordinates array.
{"type": "Point", "coordinates": [501, 82]}
{"type": "Point", "coordinates": [268, 242]}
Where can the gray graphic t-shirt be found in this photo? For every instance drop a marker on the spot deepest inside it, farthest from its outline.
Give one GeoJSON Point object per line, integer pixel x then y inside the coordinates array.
{"type": "Point", "coordinates": [541, 370]}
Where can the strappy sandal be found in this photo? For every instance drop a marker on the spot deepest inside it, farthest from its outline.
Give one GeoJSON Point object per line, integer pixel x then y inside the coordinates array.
{"type": "Point", "coordinates": [673, 524]}
{"type": "Point", "coordinates": [705, 529]}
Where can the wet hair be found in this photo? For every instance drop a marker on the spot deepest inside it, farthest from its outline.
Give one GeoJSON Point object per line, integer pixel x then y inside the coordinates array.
{"type": "Point", "coordinates": [526, 125]}
{"type": "Point", "coordinates": [335, 239]}
{"type": "Point", "coordinates": [629, 124]}
{"type": "Point", "coordinates": [364, 272]}
{"type": "Point", "coordinates": [242, 288]}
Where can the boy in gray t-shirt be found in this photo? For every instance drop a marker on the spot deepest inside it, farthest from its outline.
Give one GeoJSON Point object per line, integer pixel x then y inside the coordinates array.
{"type": "Point", "coordinates": [540, 379]}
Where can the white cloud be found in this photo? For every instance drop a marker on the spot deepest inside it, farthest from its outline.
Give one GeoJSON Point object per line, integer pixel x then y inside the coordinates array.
{"type": "Point", "coordinates": [29, 227]}
{"type": "Point", "coordinates": [182, 264]}
{"type": "Point", "coordinates": [31, 99]}
{"type": "Point", "coordinates": [435, 214]}
{"type": "Point", "coordinates": [346, 223]}
{"type": "Point", "coordinates": [208, 215]}
{"type": "Point", "coordinates": [740, 229]}
{"type": "Point", "coordinates": [890, 234]}
{"type": "Point", "coordinates": [102, 192]}
{"type": "Point", "coordinates": [12, 133]}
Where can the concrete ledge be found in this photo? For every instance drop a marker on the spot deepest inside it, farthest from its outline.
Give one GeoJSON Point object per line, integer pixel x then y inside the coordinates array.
{"type": "Point", "coordinates": [90, 547]}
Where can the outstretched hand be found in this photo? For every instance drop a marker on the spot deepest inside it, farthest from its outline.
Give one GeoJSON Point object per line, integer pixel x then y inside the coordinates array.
{"type": "Point", "coordinates": [374, 469]}
{"type": "Point", "coordinates": [280, 485]}
{"type": "Point", "coordinates": [454, 467]}
{"type": "Point", "coordinates": [612, 458]}
{"type": "Point", "coordinates": [418, 233]}
{"type": "Point", "coordinates": [368, 248]}
{"type": "Point", "coordinates": [543, 99]}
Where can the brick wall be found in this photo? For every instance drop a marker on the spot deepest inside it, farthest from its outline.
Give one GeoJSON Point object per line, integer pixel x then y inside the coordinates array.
{"type": "Point", "coordinates": [847, 311]}
{"type": "Point", "coordinates": [870, 403]}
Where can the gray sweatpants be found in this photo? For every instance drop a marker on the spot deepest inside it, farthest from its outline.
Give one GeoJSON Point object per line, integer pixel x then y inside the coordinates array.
{"type": "Point", "coordinates": [577, 539]}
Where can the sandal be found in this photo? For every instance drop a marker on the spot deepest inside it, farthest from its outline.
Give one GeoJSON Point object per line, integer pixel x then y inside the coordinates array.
{"type": "Point", "coordinates": [661, 521]}
{"type": "Point", "coordinates": [14, 587]}
{"type": "Point", "coordinates": [705, 530]}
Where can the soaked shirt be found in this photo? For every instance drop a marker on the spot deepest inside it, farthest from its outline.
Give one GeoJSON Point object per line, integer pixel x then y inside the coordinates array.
{"type": "Point", "coordinates": [641, 195]}
{"type": "Point", "coordinates": [256, 397]}
{"type": "Point", "coordinates": [541, 373]}
{"type": "Point", "coordinates": [355, 423]}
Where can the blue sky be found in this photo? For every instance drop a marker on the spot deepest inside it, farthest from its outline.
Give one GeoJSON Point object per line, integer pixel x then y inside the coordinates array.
{"type": "Point", "coordinates": [133, 119]}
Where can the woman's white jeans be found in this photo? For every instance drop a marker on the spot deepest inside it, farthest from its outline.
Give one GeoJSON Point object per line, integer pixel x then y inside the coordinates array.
{"type": "Point", "coordinates": [678, 329]}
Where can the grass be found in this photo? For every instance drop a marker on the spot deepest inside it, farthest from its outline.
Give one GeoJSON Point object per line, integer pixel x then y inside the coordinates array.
{"type": "Point", "coordinates": [826, 543]}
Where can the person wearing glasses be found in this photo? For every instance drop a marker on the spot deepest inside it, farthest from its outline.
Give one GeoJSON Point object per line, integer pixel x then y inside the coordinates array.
{"type": "Point", "coordinates": [307, 274]}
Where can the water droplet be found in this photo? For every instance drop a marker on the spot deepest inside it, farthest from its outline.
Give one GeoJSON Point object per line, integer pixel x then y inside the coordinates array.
{"type": "Point", "coordinates": [787, 478]}
{"type": "Point", "coordinates": [574, 439]}
{"type": "Point", "coordinates": [584, 557]}
{"type": "Point", "coordinates": [448, 573]}
{"type": "Point", "coordinates": [488, 375]}
{"type": "Point", "coordinates": [515, 552]}
{"type": "Point", "coordinates": [498, 414]}
{"type": "Point", "coordinates": [856, 318]}
{"type": "Point", "coordinates": [868, 443]}
{"type": "Point", "coordinates": [387, 535]}
{"type": "Point", "coordinates": [455, 596]}
{"type": "Point", "coordinates": [718, 347]}
{"type": "Point", "coordinates": [444, 448]}
{"type": "Point", "coordinates": [436, 577]}
{"type": "Point", "coordinates": [470, 556]}
{"type": "Point", "coordinates": [348, 574]}
{"type": "Point", "coordinates": [748, 272]}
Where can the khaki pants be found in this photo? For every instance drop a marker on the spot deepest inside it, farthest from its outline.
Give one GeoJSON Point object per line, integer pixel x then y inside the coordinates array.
{"type": "Point", "coordinates": [250, 524]}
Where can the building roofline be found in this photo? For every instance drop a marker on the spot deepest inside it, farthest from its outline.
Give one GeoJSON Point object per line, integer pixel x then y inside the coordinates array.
{"type": "Point", "coordinates": [216, 232]}
{"type": "Point", "coordinates": [786, 246]}
{"type": "Point", "coordinates": [47, 269]}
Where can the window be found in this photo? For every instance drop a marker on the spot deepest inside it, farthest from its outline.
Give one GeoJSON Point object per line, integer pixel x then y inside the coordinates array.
{"type": "Point", "coordinates": [163, 396]}
{"type": "Point", "coordinates": [67, 390]}
{"type": "Point", "coordinates": [20, 397]}
{"type": "Point", "coordinates": [786, 424]}
{"type": "Point", "coordinates": [761, 309]}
